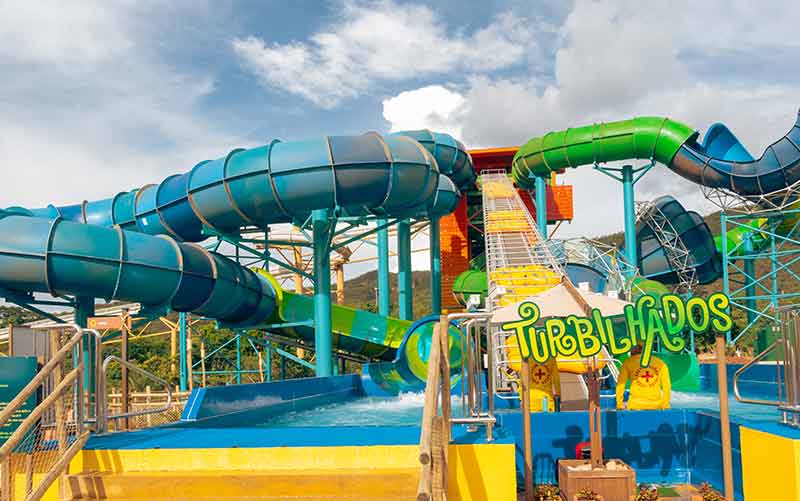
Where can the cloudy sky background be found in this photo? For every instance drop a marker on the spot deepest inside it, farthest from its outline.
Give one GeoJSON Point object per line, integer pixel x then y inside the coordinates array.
{"type": "Point", "coordinates": [99, 97]}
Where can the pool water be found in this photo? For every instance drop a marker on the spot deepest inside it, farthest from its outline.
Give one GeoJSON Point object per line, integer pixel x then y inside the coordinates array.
{"type": "Point", "coordinates": [402, 410]}
{"type": "Point", "coordinates": [406, 410]}
{"type": "Point", "coordinates": [738, 410]}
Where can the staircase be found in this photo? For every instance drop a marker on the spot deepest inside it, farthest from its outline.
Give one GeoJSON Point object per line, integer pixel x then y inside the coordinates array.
{"type": "Point", "coordinates": [271, 473]}
{"type": "Point", "coordinates": [519, 264]}
{"type": "Point", "coordinates": [377, 484]}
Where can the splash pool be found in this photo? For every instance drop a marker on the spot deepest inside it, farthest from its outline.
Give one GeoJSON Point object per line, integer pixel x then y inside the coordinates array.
{"type": "Point", "coordinates": [402, 410]}
{"type": "Point", "coordinates": [706, 401]}
{"type": "Point", "coordinates": [406, 410]}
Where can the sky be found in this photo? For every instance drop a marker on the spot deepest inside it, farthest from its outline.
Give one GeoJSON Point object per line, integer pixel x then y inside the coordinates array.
{"type": "Point", "coordinates": [98, 97]}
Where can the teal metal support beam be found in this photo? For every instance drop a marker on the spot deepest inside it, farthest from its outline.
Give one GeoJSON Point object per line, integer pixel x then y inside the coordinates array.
{"type": "Point", "coordinates": [238, 359]}
{"type": "Point", "coordinates": [184, 371]}
{"type": "Point", "coordinates": [281, 365]}
{"type": "Point", "coordinates": [404, 285]}
{"type": "Point", "coordinates": [541, 206]}
{"type": "Point", "coordinates": [323, 335]}
{"type": "Point", "coordinates": [383, 270]}
{"type": "Point", "coordinates": [286, 354]}
{"type": "Point", "coordinates": [84, 308]}
{"type": "Point", "coordinates": [723, 223]}
{"type": "Point", "coordinates": [749, 267]}
{"type": "Point", "coordinates": [630, 213]}
{"type": "Point", "coordinates": [436, 267]}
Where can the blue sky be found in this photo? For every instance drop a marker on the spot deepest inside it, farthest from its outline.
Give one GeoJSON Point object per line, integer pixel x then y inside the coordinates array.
{"type": "Point", "coordinates": [98, 97]}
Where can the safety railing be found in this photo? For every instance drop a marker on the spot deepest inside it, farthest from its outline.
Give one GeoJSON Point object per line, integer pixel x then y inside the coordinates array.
{"type": "Point", "coordinates": [437, 416]}
{"type": "Point", "coordinates": [787, 380]}
{"type": "Point", "coordinates": [129, 419]}
{"type": "Point", "coordinates": [435, 434]}
{"type": "Point", "coordinates": [49, 434]}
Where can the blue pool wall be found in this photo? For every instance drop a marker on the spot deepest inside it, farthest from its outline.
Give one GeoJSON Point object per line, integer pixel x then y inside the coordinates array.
{"type": "Point", "coordinates": [666, 447]}
{"type": "Point", "coordinates": [248, 404]}
{"type": "Point", "coordinates": [758, 381]}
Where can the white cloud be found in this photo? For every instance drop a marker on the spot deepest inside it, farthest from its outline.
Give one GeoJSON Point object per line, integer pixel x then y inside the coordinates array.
{"type": "Point", "coordinates": [80, 34]}
{"type": "Point", "coordinates": [373, 42]}
{"type": "Point", "coordinates": [90, 106]}
{"type": "Point", "coordinates": [434, 107]}
{"type": "Point", "coordinates": [620, 59]}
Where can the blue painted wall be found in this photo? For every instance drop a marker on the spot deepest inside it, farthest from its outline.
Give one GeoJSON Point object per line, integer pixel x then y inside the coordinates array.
{"type": "Point", "coordinates": [672, 446]}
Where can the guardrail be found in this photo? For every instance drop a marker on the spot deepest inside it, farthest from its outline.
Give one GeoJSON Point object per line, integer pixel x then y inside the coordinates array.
{"type": "Point", "coordinates": [436, 426]}
{"type": "Point", "coordinates": [125, 415]}
{"type": "Point", "coordinates": [50, 435]}
{"type": "Point", "coordinates": [788, 398]}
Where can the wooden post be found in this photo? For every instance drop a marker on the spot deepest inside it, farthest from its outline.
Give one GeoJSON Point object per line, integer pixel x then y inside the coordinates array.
{"type": "Point", "coordinates": [123, 354]}
{"type": "Point", "coordinates": [724, 417]}
{"type": "Point", "coordinates": [444, 339]}
{"type": "Point", "coordinates": [525, 400]}
{"type": "Point", "coordinates": [298, 278]}
{"type": "Point", "coordinates": [28, 473]}
{"type": "Point", "coordinates": [595, 412]}
{"type": "Point", "coordinates": [431, 407]}
{"type": "Point", "coordinates": [340, 283]}
{"type": "Point", "coordinates": [10, 340]}
{"type": "Point", "coordinates": [61, 418]}
{"type": "Point", "coordinates": [260, 365]}
{"type": "Point", "coordinates": [6, 486]}
{"type": "Point", "coordinates": [595, 419]}
{"type": "Point", "coordinates": [148, 400]}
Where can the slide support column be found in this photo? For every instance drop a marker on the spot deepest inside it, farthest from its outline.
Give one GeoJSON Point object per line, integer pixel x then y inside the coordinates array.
{"type": "Point", "coordinates": [750, 287]}
{"type": "Point", "coordinates": [323, 337]}
{"type": "Point", "coordinates": [404, 292]}
{"type": "Point", "coordinates": [182, 350]}
{"type": "Point", "coordinates": [541, 206]}
{"type": "Point", "coordinates": [238, 358]}
{"type": "Point", "coordinates": [628, 176]}
{"type": "Point", "coordinates": [84, 309]}
{"type": "Point", "coordinates": [436, 267]}
{"type": "Point", "coordinates": [383, 270]}
{"type": "Point", "coordinates": [630, 214]}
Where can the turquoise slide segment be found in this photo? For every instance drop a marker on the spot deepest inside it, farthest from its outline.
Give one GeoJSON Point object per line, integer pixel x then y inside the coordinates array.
{"type": "Point", "coordinates": [284, 182]}
{"type": "Point", "coordinates": [62, 257]}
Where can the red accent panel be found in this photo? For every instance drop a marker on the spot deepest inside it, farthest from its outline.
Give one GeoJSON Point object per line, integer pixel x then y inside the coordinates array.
{"type": "Point", "coordinates": [455, 251]}
{"type": "Point", "coordinates": [559, 202]}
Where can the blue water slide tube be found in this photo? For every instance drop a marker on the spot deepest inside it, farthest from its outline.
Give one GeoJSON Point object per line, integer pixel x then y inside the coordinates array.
{"type": "Point", "coordinates": [721, 162]}
{"type": "Point", "coordinates": [62, 257]}
{"type": "Point", "coordinates": [398, 175]}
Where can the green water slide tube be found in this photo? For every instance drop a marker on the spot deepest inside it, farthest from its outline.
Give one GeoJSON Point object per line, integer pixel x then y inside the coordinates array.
{"type": "Point", "coordinates": [719, 161]}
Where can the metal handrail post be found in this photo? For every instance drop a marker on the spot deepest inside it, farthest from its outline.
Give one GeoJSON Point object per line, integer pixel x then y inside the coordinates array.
{"type": "Point", "coordinates": [105, 416]}
{"type": "Point", "coordinates": [744, 368]}
{"type": "Point", "coordinates": [489, 420]}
